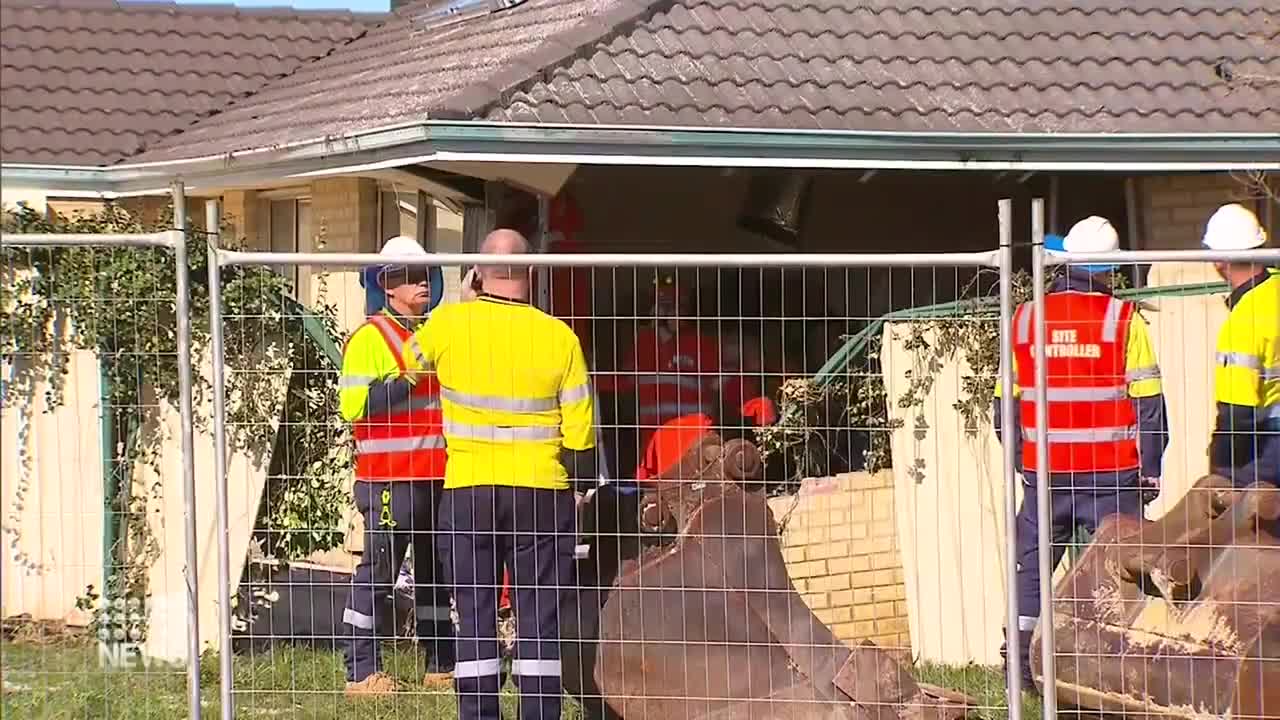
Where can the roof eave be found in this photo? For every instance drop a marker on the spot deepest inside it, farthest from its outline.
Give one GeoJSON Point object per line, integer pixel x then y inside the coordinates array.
{"type": "Point", "coordinates": [445, 140]}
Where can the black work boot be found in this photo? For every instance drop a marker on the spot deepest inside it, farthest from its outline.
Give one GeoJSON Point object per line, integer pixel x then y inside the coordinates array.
{"type": "Point", "coordinates": [440, 651]}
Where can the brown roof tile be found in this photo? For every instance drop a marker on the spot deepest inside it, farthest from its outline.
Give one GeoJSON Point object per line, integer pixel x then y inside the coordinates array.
{"type": "Point", "coordinates": [926, 65]}
{"type": "Point", "coordinates": [1096, 66]}
{"type": "Point", "coordinates": [89, 82]}
{"type": "Point", "coordinates": [401, 72]}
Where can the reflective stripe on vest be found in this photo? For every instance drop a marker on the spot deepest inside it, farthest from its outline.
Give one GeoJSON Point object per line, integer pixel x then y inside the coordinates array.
{"type": "Point", "coordinates": [407, 441]}
{"type": "Point", "coordinates": [1093, 425]}
{"type": "Point", "coordinates": [516, 406]}
{"type": "Point", "coordinates": [667, 395]}
{"type": "Point", "coordinates": [1265, 374]}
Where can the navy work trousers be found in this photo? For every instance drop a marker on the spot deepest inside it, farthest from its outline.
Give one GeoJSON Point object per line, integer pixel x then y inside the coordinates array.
{"type": "Point", "coordinates": [396, 515]}
{"type": "Point", "coordinates": [1069, 510]}
{"type": "Point", "coordinates": [532, 533]}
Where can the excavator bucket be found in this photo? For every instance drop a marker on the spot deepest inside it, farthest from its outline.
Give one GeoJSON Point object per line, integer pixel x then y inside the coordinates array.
{"type": "Point", "coordinates": [1178, 618]}
{"type": "Point", "coordinates": [709, 625]}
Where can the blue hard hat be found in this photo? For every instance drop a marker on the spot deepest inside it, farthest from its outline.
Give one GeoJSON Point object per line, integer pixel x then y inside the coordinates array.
{"type": "Point", "coordinates": [375, 298]}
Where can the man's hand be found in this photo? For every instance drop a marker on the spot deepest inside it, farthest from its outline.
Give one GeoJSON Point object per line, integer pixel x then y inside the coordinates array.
{"type": "Point", "coordinates": [470, 286]}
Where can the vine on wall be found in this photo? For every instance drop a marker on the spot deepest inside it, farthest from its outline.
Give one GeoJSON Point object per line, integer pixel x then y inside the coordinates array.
{"type": "Point", "coordinates": [119, 303]}
{"type": "Point", "coordinates": [860, 400]}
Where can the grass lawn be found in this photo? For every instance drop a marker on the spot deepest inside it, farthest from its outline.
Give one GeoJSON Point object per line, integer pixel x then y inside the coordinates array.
{"type": "Point", "coordinates": [64, 681]}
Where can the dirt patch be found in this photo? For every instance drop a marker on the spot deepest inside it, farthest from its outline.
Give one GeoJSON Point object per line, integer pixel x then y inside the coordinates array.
{"type": "Point", "coordinates": [23, 629]}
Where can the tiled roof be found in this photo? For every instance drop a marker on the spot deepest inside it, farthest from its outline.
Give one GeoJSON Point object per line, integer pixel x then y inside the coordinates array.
{"type": "Point", "coordinates": [401, 72]}
{"type": "Point", "coordinates": [89, 82]}
{"type": "Point", "coordinates": [1095, 66]}
{"type": "Point", "coordinates": [926, 65]}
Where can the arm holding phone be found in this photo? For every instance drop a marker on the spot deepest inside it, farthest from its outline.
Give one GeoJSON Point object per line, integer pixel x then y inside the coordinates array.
{"type": "Point", "coordinates": [472, 286]}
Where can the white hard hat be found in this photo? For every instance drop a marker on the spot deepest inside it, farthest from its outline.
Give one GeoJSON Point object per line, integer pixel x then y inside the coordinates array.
{"type": "Point", "coordinates": [1234, 227]}
{"type": "Point", "coordinates": [402, 245]}
{"type": "Point", "coordinates": [1093, 234]}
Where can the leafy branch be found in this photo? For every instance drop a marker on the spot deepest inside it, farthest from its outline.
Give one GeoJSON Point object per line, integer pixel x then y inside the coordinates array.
{"type": "Point", "coordinates": [860, 401]}
{"type": "Point", "coordinates": [120, 304]}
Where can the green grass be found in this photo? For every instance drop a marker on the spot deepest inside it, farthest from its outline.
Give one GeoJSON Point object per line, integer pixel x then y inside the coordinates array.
{"type": "Point", "coordinates": [61, 682]}
{"type": "Point", "coordinates": [984, 684]}
{"type": "Point", "coordinates": [65, 682]}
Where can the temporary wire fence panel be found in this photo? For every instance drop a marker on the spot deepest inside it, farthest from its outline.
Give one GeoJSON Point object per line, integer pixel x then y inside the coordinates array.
{"type": "Point", "coordinates": [1169, 609]}
{"type": "Point", "coordinates": [738, 530]}
{"type": "Point", "coordinates": [93, 329]}
{"type": "Point", "coordinates": [794, 456]}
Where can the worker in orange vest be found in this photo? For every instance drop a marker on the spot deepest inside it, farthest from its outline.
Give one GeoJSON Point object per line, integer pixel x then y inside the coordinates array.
{"type": "Point", "coordinates": [1107, 418]}
{"type": "Point", "coordinates": [399, 466]}
{"type": "Point", "coordinates": [672, 367]}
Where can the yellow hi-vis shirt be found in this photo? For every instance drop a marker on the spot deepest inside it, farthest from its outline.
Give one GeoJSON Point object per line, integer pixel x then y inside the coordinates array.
{"type": "Point", "coordinates": [366, 360]}
{"type": "Point", "coordinates": [1247, 371]}
{"type": "Point", "coordinates": [1140, 365]}
{"type": "Point", "coordinates": [514, 390]}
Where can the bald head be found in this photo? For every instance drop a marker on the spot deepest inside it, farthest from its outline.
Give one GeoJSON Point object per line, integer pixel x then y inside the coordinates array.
{"type": "Point", "coordinates": [504, 242]}
{"type": "Point", "coordinates": [508, 280]}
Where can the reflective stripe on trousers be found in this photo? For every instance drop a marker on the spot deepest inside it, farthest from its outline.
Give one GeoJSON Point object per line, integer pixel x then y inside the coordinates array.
{"type": "Point", "coordinates": [412, 508]}
{"type": "Point", "coordinates": [532, 533]}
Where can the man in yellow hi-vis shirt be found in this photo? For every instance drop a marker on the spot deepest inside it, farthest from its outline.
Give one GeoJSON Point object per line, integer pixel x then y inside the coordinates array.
{"type": "Point", "coordinates": [1246, 439]}
{"type": "Point", "coordinates": [516, 396]}
{"type": "Point", "coordinates": [1107, 430]}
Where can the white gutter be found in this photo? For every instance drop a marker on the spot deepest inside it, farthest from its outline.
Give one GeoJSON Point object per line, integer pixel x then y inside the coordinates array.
{"type": "Point", "coordinates": [621, 136]}
{"type": "Point", "coordinates": [847, 163]}
{"type": "Point", "coordinates": [444, 141]}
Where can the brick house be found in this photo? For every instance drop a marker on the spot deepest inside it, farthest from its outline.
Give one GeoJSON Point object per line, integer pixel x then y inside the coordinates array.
{"type": "Point", "coordinates": [1099, 107]}
{"type": "Point", "coordinates": [680, 124]}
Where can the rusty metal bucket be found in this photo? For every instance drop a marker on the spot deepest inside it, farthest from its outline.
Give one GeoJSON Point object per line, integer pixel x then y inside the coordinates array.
{"type": "Point", "coordinates": [709, 625]}
{"type": "Point", "coordinates": [1178, 618]}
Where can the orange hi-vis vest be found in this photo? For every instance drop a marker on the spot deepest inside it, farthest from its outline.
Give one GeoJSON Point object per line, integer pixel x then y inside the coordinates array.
{"type": "Point", "coordinates": [674, 375]}
{"type": "Point", "coordinates": [1093, 426]}
{"type": "Point", "coordinates": [406, 443]}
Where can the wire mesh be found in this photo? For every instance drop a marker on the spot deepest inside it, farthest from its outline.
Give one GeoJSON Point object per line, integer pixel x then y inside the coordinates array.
{"type": "Point", "coordinates": [835, 503]}
{"type": "Point", "coordinates": [792, 456]}
{"type": "Point", "coordinates": [94, 543]}
{"type": "Point", "coordinates": [1166, 607]}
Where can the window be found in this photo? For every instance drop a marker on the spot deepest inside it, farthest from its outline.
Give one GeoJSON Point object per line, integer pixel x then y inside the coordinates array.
{"type": "Point", "coordinates": [289, 230]}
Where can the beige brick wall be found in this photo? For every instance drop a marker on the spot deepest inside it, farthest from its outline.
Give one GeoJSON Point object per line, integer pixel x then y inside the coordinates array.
{"type": "Point", "coordinates": [345, 214]}
{"type": "Point", "coordinates": [1175, 208]}
{"type": "Point", "coordinates": [840, 543]}
{"type": "Point", "coordinates": [241, 212]}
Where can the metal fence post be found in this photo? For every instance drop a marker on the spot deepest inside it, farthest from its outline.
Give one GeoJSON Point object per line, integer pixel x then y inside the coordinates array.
{"type": "Point", "coordinates": [1013, 677]}
{"type": "Point", "coordinates": [183, 322]}
{"type": "Point", "coordinates": [1044, 513]}
{"type": "Point", "coordinates": [220, 481]}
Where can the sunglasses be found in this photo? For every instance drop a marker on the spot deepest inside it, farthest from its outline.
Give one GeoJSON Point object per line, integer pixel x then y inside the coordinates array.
{"type": "Point", "coordinates": [404, 276]}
